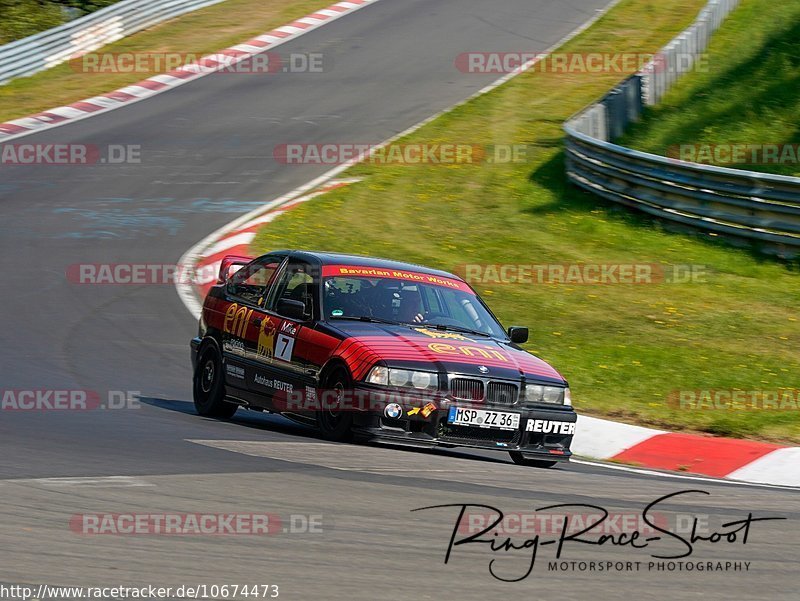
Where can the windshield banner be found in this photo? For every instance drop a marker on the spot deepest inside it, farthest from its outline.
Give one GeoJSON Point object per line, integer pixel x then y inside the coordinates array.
{"type": "Point", "coordinates": [356, 271]}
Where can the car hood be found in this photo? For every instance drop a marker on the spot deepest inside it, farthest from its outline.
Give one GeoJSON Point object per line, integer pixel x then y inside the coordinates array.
{"type": "Point", "coordinates": [430, 349]}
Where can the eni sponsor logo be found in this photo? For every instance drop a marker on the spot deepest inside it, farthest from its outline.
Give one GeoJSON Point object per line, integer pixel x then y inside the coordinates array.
{"type": "Point", "coordinates": [443, 348]}
{"type": "Point", "coordinates": [236, 319]}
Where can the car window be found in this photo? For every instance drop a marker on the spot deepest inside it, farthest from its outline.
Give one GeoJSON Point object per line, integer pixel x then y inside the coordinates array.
{"type": "Point", "coordinates": [348, 296]}
{"type": "Point", "coordinates": [250, 283]}
{"type": "Point", "coordinates": [466, 311]}
{"type": "Point", "coordinates": [403, 302]}
{"type": "Point", "coordinates": [295, 283]}
{"type": "Point", "coordinates": [431, 301]}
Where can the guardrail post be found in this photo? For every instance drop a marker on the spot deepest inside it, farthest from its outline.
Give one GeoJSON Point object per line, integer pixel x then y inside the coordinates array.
{"type": "Point", "coordinates": [599, 122]}
{"type": "Point", "coordinates": [614, 103]}
{"type": "Point", "coordinates": [635, 103]}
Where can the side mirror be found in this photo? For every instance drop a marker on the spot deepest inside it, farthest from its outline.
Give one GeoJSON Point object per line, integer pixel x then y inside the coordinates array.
{"type": "Point", "coordinates": [293, 309]}
{"type": "Point", "coordinates": [518, 334]}
{"type": "Point", "coordinates": [230, 265]}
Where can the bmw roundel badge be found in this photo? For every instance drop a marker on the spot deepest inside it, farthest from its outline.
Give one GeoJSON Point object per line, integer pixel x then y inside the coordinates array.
{"type": "Point", "coordinates": [393, 411]}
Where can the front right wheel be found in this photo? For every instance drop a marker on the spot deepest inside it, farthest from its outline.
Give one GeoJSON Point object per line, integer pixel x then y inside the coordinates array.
{"type": "Point", "coordinates": [520, 459]}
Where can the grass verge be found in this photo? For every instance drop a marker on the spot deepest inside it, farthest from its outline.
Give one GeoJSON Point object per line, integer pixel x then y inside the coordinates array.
{"type": "Point", "coordinates": [750, 95]}
{"type": "Point", "coordinates": [198, 33]}
{"type": "Point", "coordinates": [21, 18]}
{"type": "Point", "coordinates": [624, 348]}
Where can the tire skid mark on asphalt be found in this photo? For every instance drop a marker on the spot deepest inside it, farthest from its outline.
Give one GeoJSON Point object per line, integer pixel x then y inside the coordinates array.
{"type": "Point", "coordinates": [354, 458]}
{"type": "Point", "coordinates": [86, 482]}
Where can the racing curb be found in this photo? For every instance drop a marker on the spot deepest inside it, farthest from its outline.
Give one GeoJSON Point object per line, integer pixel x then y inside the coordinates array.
{"type": "Point", "coordinates": [189, 72]}
{"type": "Point", "coordinates": [733, 459]}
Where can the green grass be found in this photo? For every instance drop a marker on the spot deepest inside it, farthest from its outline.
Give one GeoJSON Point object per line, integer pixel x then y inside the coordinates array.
{"type": "Point", "coordinates": [623, 348]}
{"type": "Point", "coordinates": [21, 18]}
{"type": "Point", "coordinates": [749, 95]}
{"type": "Point", "coordinates": [198, 33]}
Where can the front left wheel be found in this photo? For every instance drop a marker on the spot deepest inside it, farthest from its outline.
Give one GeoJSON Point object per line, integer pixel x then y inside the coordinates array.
{"type": "Point", "coordinates": [334, 419]}
{"type": "Point", "coordinates": [209, 386]}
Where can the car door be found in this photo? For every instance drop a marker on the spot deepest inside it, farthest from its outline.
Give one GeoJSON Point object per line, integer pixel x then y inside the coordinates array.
{"type": "Point", "coordinates": [245, 295]}
{"type": "Point", "coordinates": [278, 342]}
{"type": "Point", "coordinates": [288, 347]}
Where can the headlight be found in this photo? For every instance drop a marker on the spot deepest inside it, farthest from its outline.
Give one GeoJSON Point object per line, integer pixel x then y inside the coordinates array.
{"type": "Point", "coordinates": [378, 375]}
{"type": "Point", "coordinates": [399, 377]}
{"type": "Point", "coordinates": [403, 378]}
{"type": "Point", "coordinates": [554, 395]}
{"type": "Point", "coordinates": [423, 379]}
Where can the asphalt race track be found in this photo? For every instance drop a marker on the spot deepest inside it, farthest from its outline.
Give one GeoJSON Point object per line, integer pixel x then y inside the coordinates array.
{"type": "Point", "coordinates": [206, 151]}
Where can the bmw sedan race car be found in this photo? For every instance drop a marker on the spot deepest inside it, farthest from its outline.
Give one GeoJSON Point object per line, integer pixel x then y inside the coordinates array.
{"type": "Point", "coordinates": [375, 349]}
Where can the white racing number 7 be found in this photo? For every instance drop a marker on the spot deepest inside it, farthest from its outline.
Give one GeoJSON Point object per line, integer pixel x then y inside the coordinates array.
{"type": "Point", "coordinates": [284, 346]}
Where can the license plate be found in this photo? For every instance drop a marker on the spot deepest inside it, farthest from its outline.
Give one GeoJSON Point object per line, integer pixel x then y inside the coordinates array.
{"type": "Point", "coordinates": [483, 418]}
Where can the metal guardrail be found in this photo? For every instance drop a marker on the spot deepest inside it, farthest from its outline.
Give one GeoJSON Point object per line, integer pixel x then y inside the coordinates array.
{"type": "Point", "coordinates": [746, 207]}
{"type": "Point", "coordinates": [86, 34]}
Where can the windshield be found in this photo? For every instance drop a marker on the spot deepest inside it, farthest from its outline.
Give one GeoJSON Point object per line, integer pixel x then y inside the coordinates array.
{"type": "Point", "coordinates": [400, 301]}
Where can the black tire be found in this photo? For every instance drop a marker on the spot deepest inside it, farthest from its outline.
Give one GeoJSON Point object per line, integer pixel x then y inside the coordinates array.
{"type": "Point", "coordinates": [520, 459]}
{"type": "Point", "coordinates": [335, 425]}
{"type": "Point", "coordinates": [208, 385]}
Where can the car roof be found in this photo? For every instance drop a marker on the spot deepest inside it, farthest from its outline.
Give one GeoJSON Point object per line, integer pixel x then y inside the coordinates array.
{"type": "Point", "coordinates": [332, 258]}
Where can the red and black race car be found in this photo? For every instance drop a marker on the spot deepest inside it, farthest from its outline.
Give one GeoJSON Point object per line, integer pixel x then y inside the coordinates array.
{"type": "Point", "coordinates": [375, 349]}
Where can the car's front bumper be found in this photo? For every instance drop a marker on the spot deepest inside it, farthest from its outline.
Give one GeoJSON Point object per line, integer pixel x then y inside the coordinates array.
{"type": "Point", "coordinates": [434, 430]}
